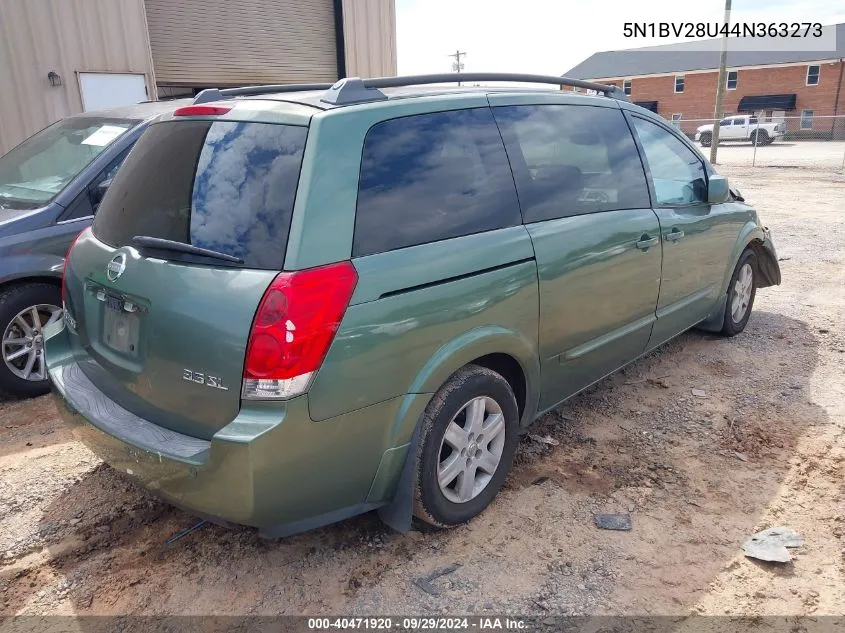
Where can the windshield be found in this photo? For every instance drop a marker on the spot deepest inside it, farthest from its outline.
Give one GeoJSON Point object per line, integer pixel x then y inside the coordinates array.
{"type": "Point", "coordinates": [35, 171]}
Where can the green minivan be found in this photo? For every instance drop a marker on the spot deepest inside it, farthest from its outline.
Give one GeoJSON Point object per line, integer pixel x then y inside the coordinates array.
{"type": "Point", "coordinates": [301, 303]}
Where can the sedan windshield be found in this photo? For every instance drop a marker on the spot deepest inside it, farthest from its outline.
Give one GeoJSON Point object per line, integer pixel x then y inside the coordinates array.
{"type": "Point", "coordinates": [35, 171]}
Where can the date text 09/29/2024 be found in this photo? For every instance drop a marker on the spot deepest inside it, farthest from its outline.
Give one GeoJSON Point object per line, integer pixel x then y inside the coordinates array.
{"type": "Point", "coordinates": [421, 623]}
{"type": "Point", "coordinates": [698, 30]}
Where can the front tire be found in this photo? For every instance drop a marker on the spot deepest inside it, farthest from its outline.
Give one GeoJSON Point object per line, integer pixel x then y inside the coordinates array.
{"type": "Point", "coordinates": [469, 437]}
{"type": "Point", "coordinates": [706, 139]}
{"type": "Point", "coordinates": [24, 311]}
{"type": "Point", "coordinates": [741, 293]}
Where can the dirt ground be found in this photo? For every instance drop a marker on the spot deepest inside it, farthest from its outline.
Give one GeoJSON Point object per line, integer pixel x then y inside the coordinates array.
{"type": "Point", "coordinates": [762, 446]}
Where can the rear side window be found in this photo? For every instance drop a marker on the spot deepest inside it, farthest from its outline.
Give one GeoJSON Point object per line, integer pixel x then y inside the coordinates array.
{"type": "Point", "coordinates": [227, 186]}
{"type": "Point", "coordinates": [432, 177]}
{"type": "Point", "coordinates": [570, 160]}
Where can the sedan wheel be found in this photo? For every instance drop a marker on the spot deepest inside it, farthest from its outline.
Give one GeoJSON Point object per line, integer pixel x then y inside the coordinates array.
{"type": "Point", "coordinates": [25, 310]}
{"type": "Point", "coordinates": [23, 341]}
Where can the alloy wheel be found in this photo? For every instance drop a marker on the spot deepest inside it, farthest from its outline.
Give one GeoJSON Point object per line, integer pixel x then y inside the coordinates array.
{"type": "Point", "coordinates": [741, 293]}
{"type": "Point", "coordinates": [471, 449]}
{"type": "Point", "coordinates": [23, 341]}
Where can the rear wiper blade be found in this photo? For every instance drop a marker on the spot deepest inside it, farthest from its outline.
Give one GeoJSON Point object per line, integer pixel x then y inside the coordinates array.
{"type": "Point", "coordinates": [145, 241]}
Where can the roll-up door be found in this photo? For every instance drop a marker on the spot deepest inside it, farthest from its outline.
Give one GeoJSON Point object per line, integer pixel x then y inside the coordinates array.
{"type": "Point", "coordinates": [236, 42]}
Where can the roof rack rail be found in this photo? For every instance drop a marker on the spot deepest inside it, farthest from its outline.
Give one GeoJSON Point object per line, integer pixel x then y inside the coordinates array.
{"type": "Point", "coordinates": [357, 90]}
{"type": "Point", "coordinates": [215, 94]}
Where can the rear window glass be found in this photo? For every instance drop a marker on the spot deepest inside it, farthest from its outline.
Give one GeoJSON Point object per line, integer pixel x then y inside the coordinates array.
{"type": "Point", "coordinates": [226, 186]}
{"type": "Point", "coordinates": [432, 177]}
{"type": "Point", "coordinates": [571, 160]}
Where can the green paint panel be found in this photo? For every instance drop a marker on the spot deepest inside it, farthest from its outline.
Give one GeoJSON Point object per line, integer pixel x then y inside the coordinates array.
{"type": "Point", "coordinates": [694, 265]}
{"type": "Point", "coordinates": [594, 284]}
{"type": "Point", "coordinates": [186, 320]}
{"type": "Point", "coordinates": [424, 331]}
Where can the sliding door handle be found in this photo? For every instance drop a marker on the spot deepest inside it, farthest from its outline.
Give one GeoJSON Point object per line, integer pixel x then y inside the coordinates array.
{"type": "Point", "coordinates": [647, 242]}
{"type": "Point", "coordinates": [674, 235]}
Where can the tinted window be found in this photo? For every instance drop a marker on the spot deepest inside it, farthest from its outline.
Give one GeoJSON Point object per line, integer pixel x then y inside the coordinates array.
{"type": "Point", "coordinates": [226, 186]}
{"type": "Point", "coordinates": [87, 202]}
{"type": "Point", "coordinates": [570, 160]}
{"type": "Point", "coordinates": [432, 177]}
{"type": "Point", "coordinates": [81, 207]}
{"type": "Point", "coordinates": [677, 172]}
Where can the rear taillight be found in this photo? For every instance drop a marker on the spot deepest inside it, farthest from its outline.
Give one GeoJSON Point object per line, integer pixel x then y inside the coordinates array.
{"type": "Point", "coordinates": [201, 110]}
{"type": "Point", "coordinates": [293, 328]}
{"type": "Point", "coordinates": [64, 269]}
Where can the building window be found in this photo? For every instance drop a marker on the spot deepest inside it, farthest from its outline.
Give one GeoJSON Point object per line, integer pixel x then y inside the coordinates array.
{"type": "Point", "coordinates": [813, 75]}
{"type": "Point", "coordinates": [733, 79]}
{"type": "Point", "coordinates": [676, 120]}
{"type": "Point", "coordinates": [626, 86]}
{"type": "Point", "coordinates": [679, 83]}
{"type": "Point", "coordinates": [806, 119]}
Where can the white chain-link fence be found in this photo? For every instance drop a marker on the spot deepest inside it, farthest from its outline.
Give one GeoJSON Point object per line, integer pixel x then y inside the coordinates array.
{"type": "Point", "coordinates": [809, 140]}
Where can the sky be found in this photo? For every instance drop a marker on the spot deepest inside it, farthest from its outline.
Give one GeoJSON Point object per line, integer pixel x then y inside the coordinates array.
{"type": "Point", "coordinates": [552, 36]}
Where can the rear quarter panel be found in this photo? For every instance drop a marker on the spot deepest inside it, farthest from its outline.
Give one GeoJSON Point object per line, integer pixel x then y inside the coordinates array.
{"type": "Point", "coordinates": [448, 312]}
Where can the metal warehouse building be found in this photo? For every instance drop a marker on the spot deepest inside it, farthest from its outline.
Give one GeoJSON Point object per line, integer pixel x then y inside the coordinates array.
{"type": "Point", "coordinates": [61, 57]}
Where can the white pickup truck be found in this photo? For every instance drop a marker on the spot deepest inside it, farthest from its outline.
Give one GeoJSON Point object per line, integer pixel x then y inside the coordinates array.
{"type": "Point", "coordinates": [741, 128]}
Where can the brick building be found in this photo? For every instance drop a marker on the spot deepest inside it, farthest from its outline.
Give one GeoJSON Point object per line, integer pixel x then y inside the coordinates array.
{"type": "Point", "coordinates": [678, 81]}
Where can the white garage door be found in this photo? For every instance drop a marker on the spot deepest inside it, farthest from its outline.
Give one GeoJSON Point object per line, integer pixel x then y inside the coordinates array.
{"type": "Point", "coordinates": [110, 90]}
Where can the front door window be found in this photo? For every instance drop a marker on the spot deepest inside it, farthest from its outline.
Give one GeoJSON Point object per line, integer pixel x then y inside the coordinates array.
{"type": "Point", "coordinates": [677, 173]}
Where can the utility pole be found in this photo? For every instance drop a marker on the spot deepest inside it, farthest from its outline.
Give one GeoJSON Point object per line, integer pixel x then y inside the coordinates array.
{"type": "Point", "coordinates": [720, 87]}
{"type": "Point", "coordinates": [457, 66]}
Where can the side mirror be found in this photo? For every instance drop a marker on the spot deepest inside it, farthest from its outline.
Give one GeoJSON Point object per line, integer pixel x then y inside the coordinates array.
{"type": "Point", "coordinates": [98, 192]}
{"type": "Point", "coordinates": [717, 189]}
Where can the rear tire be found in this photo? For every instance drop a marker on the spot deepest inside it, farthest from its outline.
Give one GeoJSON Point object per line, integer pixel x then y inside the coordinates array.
{"type": "Point", "coordinates": [18, 301]}
{"type": "Point", "coordinates": [741, 292]}
{"type": "Point", "coordinates": [706, 139]}
{"type": "Point", "coordinates": [453, 481]}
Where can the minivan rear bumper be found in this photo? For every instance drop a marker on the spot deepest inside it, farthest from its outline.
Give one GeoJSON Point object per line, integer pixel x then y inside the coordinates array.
{"type": "Point", "coordinates": [272, 467]}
